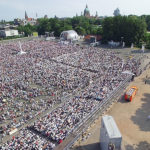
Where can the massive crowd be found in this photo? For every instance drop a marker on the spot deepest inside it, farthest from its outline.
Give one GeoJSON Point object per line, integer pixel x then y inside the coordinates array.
{"type": "Point", "coordinates": [27, 140]}
{"type": "Point", "coordinates": [34, 82]}
{"type": "Point", "coordinates": [25, 78]}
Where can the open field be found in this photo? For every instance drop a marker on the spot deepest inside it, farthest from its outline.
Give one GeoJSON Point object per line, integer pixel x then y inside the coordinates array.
{"type": "Point", "coordinates": [50, 91]}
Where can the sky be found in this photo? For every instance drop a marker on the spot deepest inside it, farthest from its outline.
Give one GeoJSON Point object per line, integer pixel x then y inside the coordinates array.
{"type": "Point", "coordinates": [11, 9]}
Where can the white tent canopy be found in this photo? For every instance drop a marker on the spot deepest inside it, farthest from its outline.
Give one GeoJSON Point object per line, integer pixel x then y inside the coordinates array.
{"type": "Point", "coordinates": [69, 35]}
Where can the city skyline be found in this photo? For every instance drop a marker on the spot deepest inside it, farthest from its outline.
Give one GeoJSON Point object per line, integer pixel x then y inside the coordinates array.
{"type": "Point", "coordinates": [69, 8]}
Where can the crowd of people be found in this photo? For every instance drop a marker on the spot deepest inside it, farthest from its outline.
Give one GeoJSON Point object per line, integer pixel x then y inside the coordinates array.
{"type": "Point", "coordinates": [35, 81]}
{"type": "Point", "coordinates": [27, 140]}
{"type": "Point", "coordinates": [98, 60]}
{"type": "Point", "coordinates": [25, 78]}
{"type": "Point", "coordinates": [59, 123]}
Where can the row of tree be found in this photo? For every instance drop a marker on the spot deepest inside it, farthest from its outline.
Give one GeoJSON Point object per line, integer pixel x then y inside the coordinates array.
{"type": "Point", "coordinates": [80, 24]}
{"type": "Point", "coordinates": [27, 29]}
{"type": "Point", "coordinates": [130, 29]}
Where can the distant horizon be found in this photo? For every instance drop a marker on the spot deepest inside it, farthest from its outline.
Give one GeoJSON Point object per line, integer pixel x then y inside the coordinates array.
{"type": "Point", "coordinates": [11, 10]}
{"type": "Point", "coordinates": [65, 17]}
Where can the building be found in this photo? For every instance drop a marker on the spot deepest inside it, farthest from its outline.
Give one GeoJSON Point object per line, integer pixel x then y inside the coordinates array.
{"type": "Point", "coordinates": [8, 33]}
{"type": "Point", "coordinates": [87, 13]}
{"type": "Point", "coordinates": [7, 30]}
{"type": "Point", "coordinates": [110, 136]}
{"type": "Point", "coordinates": [117, 12]}
{"type": "Point", "coordinates": [89, 38]}
{"type": "Point", "coordinates": [17, 21]}
{"type": "Point", "coordinates": [25, 21]}
{"type": "Point", "coordinates": [7, 26]}
{"type": "Point", "coordinates": [45, 16]}
{"type": "Point", "coordinates": [28, 20]}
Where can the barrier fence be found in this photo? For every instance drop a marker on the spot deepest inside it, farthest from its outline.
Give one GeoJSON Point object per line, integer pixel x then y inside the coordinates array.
{"type": "Point", "coordinates": [78, 130]}
{"type": "Point", "coordinates": [22, 39]}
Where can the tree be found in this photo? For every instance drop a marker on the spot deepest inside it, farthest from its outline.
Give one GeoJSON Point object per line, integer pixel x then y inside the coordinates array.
{"type": "Point", "coordinates": [81, 24]}
{"type": "Point", "coordinates": [43, 26]}
{"type": "Point", "coordinates": [27, 29]}
{"type": "Point", "coordinates": [99, 31]}
{"type": "Point", "coordinates": [131, 28]}
{"type": "Point", "coordinates": [20, 29]}
{"type": "Point", "coordinates": [147, 40]}
{"type": "Point", "coordinates": [93, 30]}
{"type": "Point", "coordinates": [147, 19]}
{"type": "Point", "coordinates": [66, 27]}
{"type": "Point", "coordinates": [108, 32]}
{"type": "Point", "coordinates": [80, 30]}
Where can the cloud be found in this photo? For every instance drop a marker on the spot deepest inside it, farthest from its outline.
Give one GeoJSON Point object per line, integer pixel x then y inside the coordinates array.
{"type": "Point", "coordinates": [12, 4]}
{"type": "Point", "coordinates": [65, 8]}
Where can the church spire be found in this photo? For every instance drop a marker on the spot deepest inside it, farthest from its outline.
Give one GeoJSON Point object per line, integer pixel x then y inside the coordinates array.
{"type": "Point", "coordinates": [26, 16]}
{"type": "Point", "coordinates": [86, 11]}
{"type": "Point", "coordinates": [96, 14]}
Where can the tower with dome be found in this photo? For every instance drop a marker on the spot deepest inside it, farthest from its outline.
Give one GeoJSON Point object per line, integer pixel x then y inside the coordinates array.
{"type": "Point", "coordinates": [87, 12]}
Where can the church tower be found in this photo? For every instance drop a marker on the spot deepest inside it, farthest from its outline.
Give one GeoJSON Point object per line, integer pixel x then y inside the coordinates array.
{"type": "Point", "coordinates": [96, 14]}
{"type": "Point", "coordinates": [26, 16]}
{"type": "Point", "coordinates": [86, 11]}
